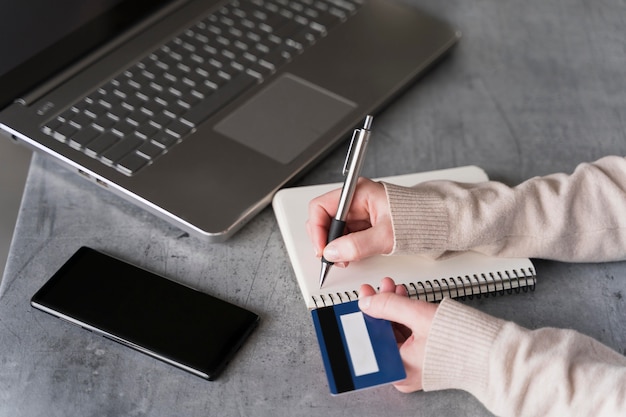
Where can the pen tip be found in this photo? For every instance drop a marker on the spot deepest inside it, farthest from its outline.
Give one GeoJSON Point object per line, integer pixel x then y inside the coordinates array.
{"type": "Point", "coordinates": [324, 272]}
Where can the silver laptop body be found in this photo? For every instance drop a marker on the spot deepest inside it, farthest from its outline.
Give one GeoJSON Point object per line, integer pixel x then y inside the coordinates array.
{"type": "Point", "coordinates": [213, 169]}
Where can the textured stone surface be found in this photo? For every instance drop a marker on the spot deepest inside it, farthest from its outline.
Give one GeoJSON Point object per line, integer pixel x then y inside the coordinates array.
{"type": "Point", "coordinates": [534, 87]}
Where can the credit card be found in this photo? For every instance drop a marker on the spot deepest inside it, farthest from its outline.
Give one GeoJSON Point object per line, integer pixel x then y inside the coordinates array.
{"type": "Point", "coordinates": [358, 351]}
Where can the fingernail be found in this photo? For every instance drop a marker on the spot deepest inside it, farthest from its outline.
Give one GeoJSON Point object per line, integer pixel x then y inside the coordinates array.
{"type": "Point", "coordinates": [331, 253]}
{"type": "Point", "coordinates": [364, 303]}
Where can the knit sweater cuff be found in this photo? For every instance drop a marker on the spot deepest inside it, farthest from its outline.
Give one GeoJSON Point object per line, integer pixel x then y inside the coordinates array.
{"type": "Point", "coordinates": [448, 363]}
{"type": "Point", "coordinates": [419, 220]}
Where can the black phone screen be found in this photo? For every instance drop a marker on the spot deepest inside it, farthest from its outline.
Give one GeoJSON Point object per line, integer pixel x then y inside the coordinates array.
{"type": "Point", "coordinates": [184, 327]}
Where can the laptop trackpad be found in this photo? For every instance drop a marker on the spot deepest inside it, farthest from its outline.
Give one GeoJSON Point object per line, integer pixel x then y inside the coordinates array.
{"type": "Point", "coordinates": [285, 118]}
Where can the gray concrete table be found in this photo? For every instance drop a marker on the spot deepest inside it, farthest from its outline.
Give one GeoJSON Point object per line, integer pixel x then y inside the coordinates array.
{"type": "Point", "coordinates": [534, 87]}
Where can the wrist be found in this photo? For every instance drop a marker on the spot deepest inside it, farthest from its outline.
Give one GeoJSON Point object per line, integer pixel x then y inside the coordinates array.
{"type": "Point", "coordinates": [458, 347]}
{"type": "Point", "coordinates": [418, 218]}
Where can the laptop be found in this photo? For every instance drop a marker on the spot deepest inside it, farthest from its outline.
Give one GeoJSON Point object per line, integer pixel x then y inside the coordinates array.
{"type": "Point", "coordinates": [200, 110]}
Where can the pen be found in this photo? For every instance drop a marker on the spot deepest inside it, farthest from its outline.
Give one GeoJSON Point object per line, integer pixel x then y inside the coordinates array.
{"type": "Point", "coordinates": [351, 171]}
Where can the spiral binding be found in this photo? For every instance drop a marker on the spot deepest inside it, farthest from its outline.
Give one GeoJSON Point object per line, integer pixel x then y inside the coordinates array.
{"type": "Point", "coordinates": [460, 287]}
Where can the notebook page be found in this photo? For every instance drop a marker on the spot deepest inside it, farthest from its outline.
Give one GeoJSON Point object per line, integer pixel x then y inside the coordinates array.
{"type": "Point", "coordinates": [477, 272]}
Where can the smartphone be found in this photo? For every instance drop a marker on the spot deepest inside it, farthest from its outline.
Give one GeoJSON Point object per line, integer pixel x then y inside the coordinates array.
{"type": "Point", "coordinates": [147, 312]}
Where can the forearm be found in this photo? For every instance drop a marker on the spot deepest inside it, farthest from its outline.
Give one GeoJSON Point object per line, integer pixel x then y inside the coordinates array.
{"type": "Point", "coordinates": [514, 371]}
{"type": "Point", "coordinates": [578, 217]}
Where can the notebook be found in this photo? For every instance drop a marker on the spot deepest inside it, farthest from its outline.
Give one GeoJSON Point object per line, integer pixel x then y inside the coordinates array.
{"type": "Point", "coordinates": [465, 275]}
{"type": "Point", "coordinates": [200, 110]}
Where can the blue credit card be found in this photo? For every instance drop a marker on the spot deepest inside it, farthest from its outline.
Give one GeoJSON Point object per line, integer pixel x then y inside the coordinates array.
{"type": "Point", "coordinates": [358, 351]}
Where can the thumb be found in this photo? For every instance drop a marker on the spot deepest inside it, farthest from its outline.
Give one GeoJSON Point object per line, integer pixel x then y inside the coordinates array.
{"type": "Point", "coordinates": [416, 315]}
{"type": "Point", "coordinates": [360, 245]}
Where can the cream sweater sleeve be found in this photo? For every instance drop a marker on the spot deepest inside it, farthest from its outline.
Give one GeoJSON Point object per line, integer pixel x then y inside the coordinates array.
{"type": "Point", "coordinates": [513, 371]}
{"type": "Point", "coordinates": [517, 372]}
{"type": "Point", "coordinates": [577, 218]}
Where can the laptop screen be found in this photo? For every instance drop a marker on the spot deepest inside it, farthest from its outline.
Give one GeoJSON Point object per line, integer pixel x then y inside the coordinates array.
{"type": "Point", "coordinates": [40, 37]}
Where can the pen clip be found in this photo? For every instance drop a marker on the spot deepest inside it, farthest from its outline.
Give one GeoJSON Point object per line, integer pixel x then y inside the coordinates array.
{"type": "Point", "coordinates": [346, 163]}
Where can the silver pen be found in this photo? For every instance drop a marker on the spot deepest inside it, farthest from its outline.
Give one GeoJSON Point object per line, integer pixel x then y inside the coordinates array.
{"type": "Point", "coordinates": [351, 171]}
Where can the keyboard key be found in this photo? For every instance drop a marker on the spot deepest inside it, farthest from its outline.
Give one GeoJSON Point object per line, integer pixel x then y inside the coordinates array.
{"type": "Point", "coordinates": [131, 163]}
{"type": "Point", "coordinates": [165, 140]}
{"type": "Point", "coordinates": [149, 150]}
{"type": "Point", "coordinates": [51, 127]}
{"type": "Point", "coordinates": [286, 30]}
{"type": "Point", "coordinates": [120, 150]}
{"type": "Point", "coordinates": [81, 120]}
{"type": "Point", "coordinates": [83, 137]}
{"type": "Point", "coordinates": [103, 123]}
{"type": "Point", "coordinates": [178, 129]}
{"type": "Point", "coordinates": [261, 71]}
{"type": "Point", "coordinates": [146, 130]}
{"type": "Point", "coordinates": [64, 132]}
{"type": "Point", "coordinates": [100, 144]}
{"type": "Point", "coordinates": [161, 120]}
{"type": "Point", "coordinates": [137, 118]}
{"type": "Point", "coordinates": [278, 57]}
{"type": "Point", "coordinates": [122, 129]}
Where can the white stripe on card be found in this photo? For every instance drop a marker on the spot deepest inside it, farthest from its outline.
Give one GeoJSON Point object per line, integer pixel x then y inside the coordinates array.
{"type": "Point", "coordinates": [359, 344]}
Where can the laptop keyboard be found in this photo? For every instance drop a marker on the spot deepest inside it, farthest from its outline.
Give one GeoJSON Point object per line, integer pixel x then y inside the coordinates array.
{"type": "Point", "coordinates": [152, 106]}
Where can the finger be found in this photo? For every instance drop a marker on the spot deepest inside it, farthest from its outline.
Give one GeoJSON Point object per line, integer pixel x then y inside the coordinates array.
{"type": "Point", "coordinates": [321, 211]}
{"type": "Point", "coordinates": [360, 245]}
{"type": "Point", "coordinates": [375, 240]}
{"type": "Point", "coordinates": [416, 315]}
{"type": "Point", "coordinates": [401, 290]}
{"type": "Point", "coordinates": [366, 290]}
{"type": "Point", "coordinates": [316, 237]}
{"type": "Point", "coordinates": [387, 285]}
{"type": "Point", "coordinates": [318, 233]}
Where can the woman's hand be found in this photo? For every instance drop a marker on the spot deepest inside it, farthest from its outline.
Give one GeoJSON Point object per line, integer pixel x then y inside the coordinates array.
{"type": "Point", "coordinates": [411, 320]}
{"type": "Point", "coordinates": [369, 228]}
